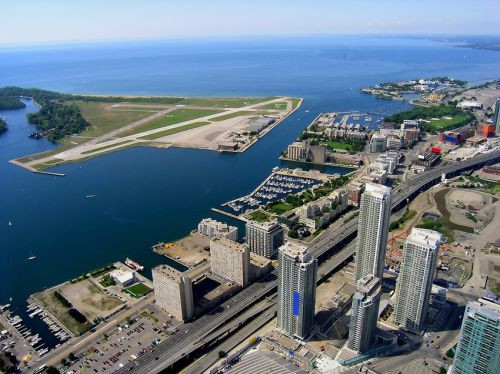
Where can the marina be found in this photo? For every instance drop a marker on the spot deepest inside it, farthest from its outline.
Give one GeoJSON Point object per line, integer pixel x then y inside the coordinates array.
{"type": "Point", "coordinates": [36, 345]}
{"type": "Point", "coordinates": [280, 184]}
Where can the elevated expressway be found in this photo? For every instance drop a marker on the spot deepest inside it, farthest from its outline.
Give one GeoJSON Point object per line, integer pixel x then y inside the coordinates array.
{"type": "Point", "coordinates": [331, 249]}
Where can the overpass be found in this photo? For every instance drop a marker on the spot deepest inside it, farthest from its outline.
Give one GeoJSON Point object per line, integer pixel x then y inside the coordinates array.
{"type": "Point", "coordinates": [187, 339]}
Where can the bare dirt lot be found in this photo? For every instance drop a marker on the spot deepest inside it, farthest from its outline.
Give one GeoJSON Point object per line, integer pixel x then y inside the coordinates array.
{"type": "Point", "coordinates": [90, 300]}
{"type": "Point", "coordinates": [190, 250]}
{"type": "Point", "coordinates": [470, 208]}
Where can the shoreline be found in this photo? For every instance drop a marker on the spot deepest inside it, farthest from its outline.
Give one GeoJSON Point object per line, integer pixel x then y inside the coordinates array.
{"type": "Point", "coordinates": [40, 164]}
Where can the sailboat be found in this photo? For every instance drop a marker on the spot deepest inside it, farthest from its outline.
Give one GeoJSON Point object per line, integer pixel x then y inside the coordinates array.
{"type": "Point", "coordinates": [10, 223]}
{"type": "Point", "coordinates": [31, 257]}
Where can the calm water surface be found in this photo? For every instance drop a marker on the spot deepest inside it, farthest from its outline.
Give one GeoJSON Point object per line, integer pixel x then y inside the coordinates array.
{"type": "Point", "coordinates": [146, 195]}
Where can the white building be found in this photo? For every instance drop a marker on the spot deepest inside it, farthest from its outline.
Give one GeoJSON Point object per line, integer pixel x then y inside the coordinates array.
{"type": "Point", "coordinates": [122, 277]}
{"type": "Point", "coordinates": [264, 238]}
{"type": "Point", "coordinates": [364, 315]}
{"type": "Point", "coordinates": [173, 292]}
{"type": "Point", "coordinates": [373, 228]}
{"type": "Point", "coordinates": [210, 227]}
{"type": "Point", "coordinates": [414, 284]}
{"type": "Point", "coordinates": [296, 290]}
{"type": "Point", "coordinates": [230, 260]}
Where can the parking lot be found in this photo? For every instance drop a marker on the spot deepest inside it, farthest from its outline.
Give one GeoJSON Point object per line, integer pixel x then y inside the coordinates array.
{"type": "Point", "coordinates": [125, 343]}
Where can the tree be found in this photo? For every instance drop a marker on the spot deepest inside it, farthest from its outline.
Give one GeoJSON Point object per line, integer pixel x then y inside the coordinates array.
{"type": "Point", "coordinates": [72, 356]}
{"type": "Point", "coordinates": [222, 354]}
{"type": "Point", "coordinates": [293, 234]}
{"type": "Point", "coordinates": [52, 370]}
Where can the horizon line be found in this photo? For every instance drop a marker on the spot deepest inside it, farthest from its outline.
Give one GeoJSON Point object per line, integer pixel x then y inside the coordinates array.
{"type": "Point", "coordinates": [90, 42]}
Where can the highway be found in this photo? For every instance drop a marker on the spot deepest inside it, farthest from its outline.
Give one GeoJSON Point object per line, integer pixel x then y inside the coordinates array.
{"type": "Point", "coordinates": [186, 340]}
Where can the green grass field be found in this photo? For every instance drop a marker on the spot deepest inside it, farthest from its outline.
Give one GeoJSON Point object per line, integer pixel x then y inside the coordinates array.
{"type": "Point", "coordinates": [222, 102]}
{"type": "Point", "coordinates": [175, 116]}
{"type": "Point", "coordinates": [231, 115]}
{"type": "Point", "coordinates": [446, 124]}
{"type": "Point", "coordinates": [175, 130]}
{"type": "Point", "coordinates": [281, 208]}
{"type": "Point", "coordinates": [138, 290]}
{"type": "Point", "coordinates": [280, 105]}
{"type": "Point", "coordinates": [295, 103]}
{"type": "Point", "coordinates": [259, 216]}
{"type": "Point", "coordinates": [104, 121]}
{"type": "Point", "coordinates": [334, 144]}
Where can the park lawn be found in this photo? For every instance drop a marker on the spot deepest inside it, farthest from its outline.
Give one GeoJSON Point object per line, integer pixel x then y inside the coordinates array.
{"type": "Point", "coordinates": [281, 208]}
{"type": "Point", "coordinates": [138, 290]}
{"type": "Point", "coordinates": [172, 118]}
{"type": "Point", "coordinates": [104, 121]}
{"type": "Point", "coordinates": [225, 102]}
{"type": "Point", "coordinates": [280, 105]}
{"type": "Point", "coordinates": [175, 130]}
{"type": "Point", "coordinates": [334, 144]}
{"type": "Point", "coordinates": [447, 124]}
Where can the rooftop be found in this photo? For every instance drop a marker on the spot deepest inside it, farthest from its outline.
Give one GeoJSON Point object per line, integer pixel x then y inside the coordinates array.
{"type": "Point", "coordinates": [296, 251]}
{"type": "Point", "coordinates": [424, 237]}
{"type": "Point", "coordinates": [228, 243]}
{"type": "Point", "coordinates": [169, 272]}
{"type": "Point", "coordinates": [377, 189]}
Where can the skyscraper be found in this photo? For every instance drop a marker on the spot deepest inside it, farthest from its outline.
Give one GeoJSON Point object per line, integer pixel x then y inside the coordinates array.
{"type": "Point", "coordinates": [479, 343]}
{"type": "Point", "coordinates": [373, 227]}
{"type": "Point", "coordinates": [414, 284]}
{"type": "Point", "coordinates": [365, 303]}
{"type": "Point", "coordinates": [264, 238]}
{"type": "Point", "coordinates": [296, 290]}
{"type": "Point", "coordinates": [496, 117]}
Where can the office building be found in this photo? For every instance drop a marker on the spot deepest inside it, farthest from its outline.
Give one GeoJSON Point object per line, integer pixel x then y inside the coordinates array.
{"type": "Point", "coordinates": [230, 260]}
{"type": "Point", "coordinates": [479, 342]}
{"type": "Point", "coordinates": [365, 304]}
{"type": "Point", "coordinates": [373, 228]}
{"type": "Point", "coordinates": [210, 227]}
{"type": "Point", "coordinates": [264, 238]}
{"type": "Point", "coordinates": [173, 292]}
{"type": "Point", "coordinates": [414, 284]}
{"type": "Point", "coordinates": [296, 290]}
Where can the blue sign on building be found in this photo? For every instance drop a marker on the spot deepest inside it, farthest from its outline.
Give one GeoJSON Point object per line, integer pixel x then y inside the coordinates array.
{"type": "Point", "coordinates": [296, 303]}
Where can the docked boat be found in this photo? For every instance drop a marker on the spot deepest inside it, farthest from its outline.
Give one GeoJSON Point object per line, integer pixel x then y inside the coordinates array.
{"type": "Point", "coordinates": [133, 265]}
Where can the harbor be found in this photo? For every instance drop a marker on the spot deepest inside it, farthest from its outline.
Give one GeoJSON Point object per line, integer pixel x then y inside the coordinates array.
{"type": "Point", "coordinates": [278, 185]}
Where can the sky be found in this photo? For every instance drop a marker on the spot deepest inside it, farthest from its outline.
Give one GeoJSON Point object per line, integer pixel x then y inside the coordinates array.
{"type": "Point", "coordinates": [27, 22]}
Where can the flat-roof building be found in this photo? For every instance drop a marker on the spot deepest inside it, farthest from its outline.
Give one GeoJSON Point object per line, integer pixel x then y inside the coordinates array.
{"type": "Point", "coordinates": [479, 342]}
{"type": "Point", "coordinates": [373, 228]}
{"type": "Point", "coordinates": [414, 284]}
{"type": "Point", "coordinates": [264, 238]}
{"type": "Point", "coordinates": [173, 292]}
{"type": "Point", "coordinates": [210, 227]}
{"type": "Point", "coordinates": [364, 315]}
{"type": "Point", "coordinates": [296, 290]}
{"type": "Point", "coordinates": [230, 260]}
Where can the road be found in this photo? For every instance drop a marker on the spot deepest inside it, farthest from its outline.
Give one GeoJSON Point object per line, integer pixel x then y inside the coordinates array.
{"type": "Point", "coordinates": [183, 343]}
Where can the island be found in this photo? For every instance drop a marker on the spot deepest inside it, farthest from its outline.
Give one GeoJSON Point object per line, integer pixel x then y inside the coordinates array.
{"type": "Point", "coordinates": [89, 126]}
{"type": "Point", "coordinates": [429, 90]}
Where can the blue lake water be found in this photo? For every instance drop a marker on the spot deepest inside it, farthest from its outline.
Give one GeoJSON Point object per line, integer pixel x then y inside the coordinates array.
{"type": "Point", "coordinates": [146, 195]}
